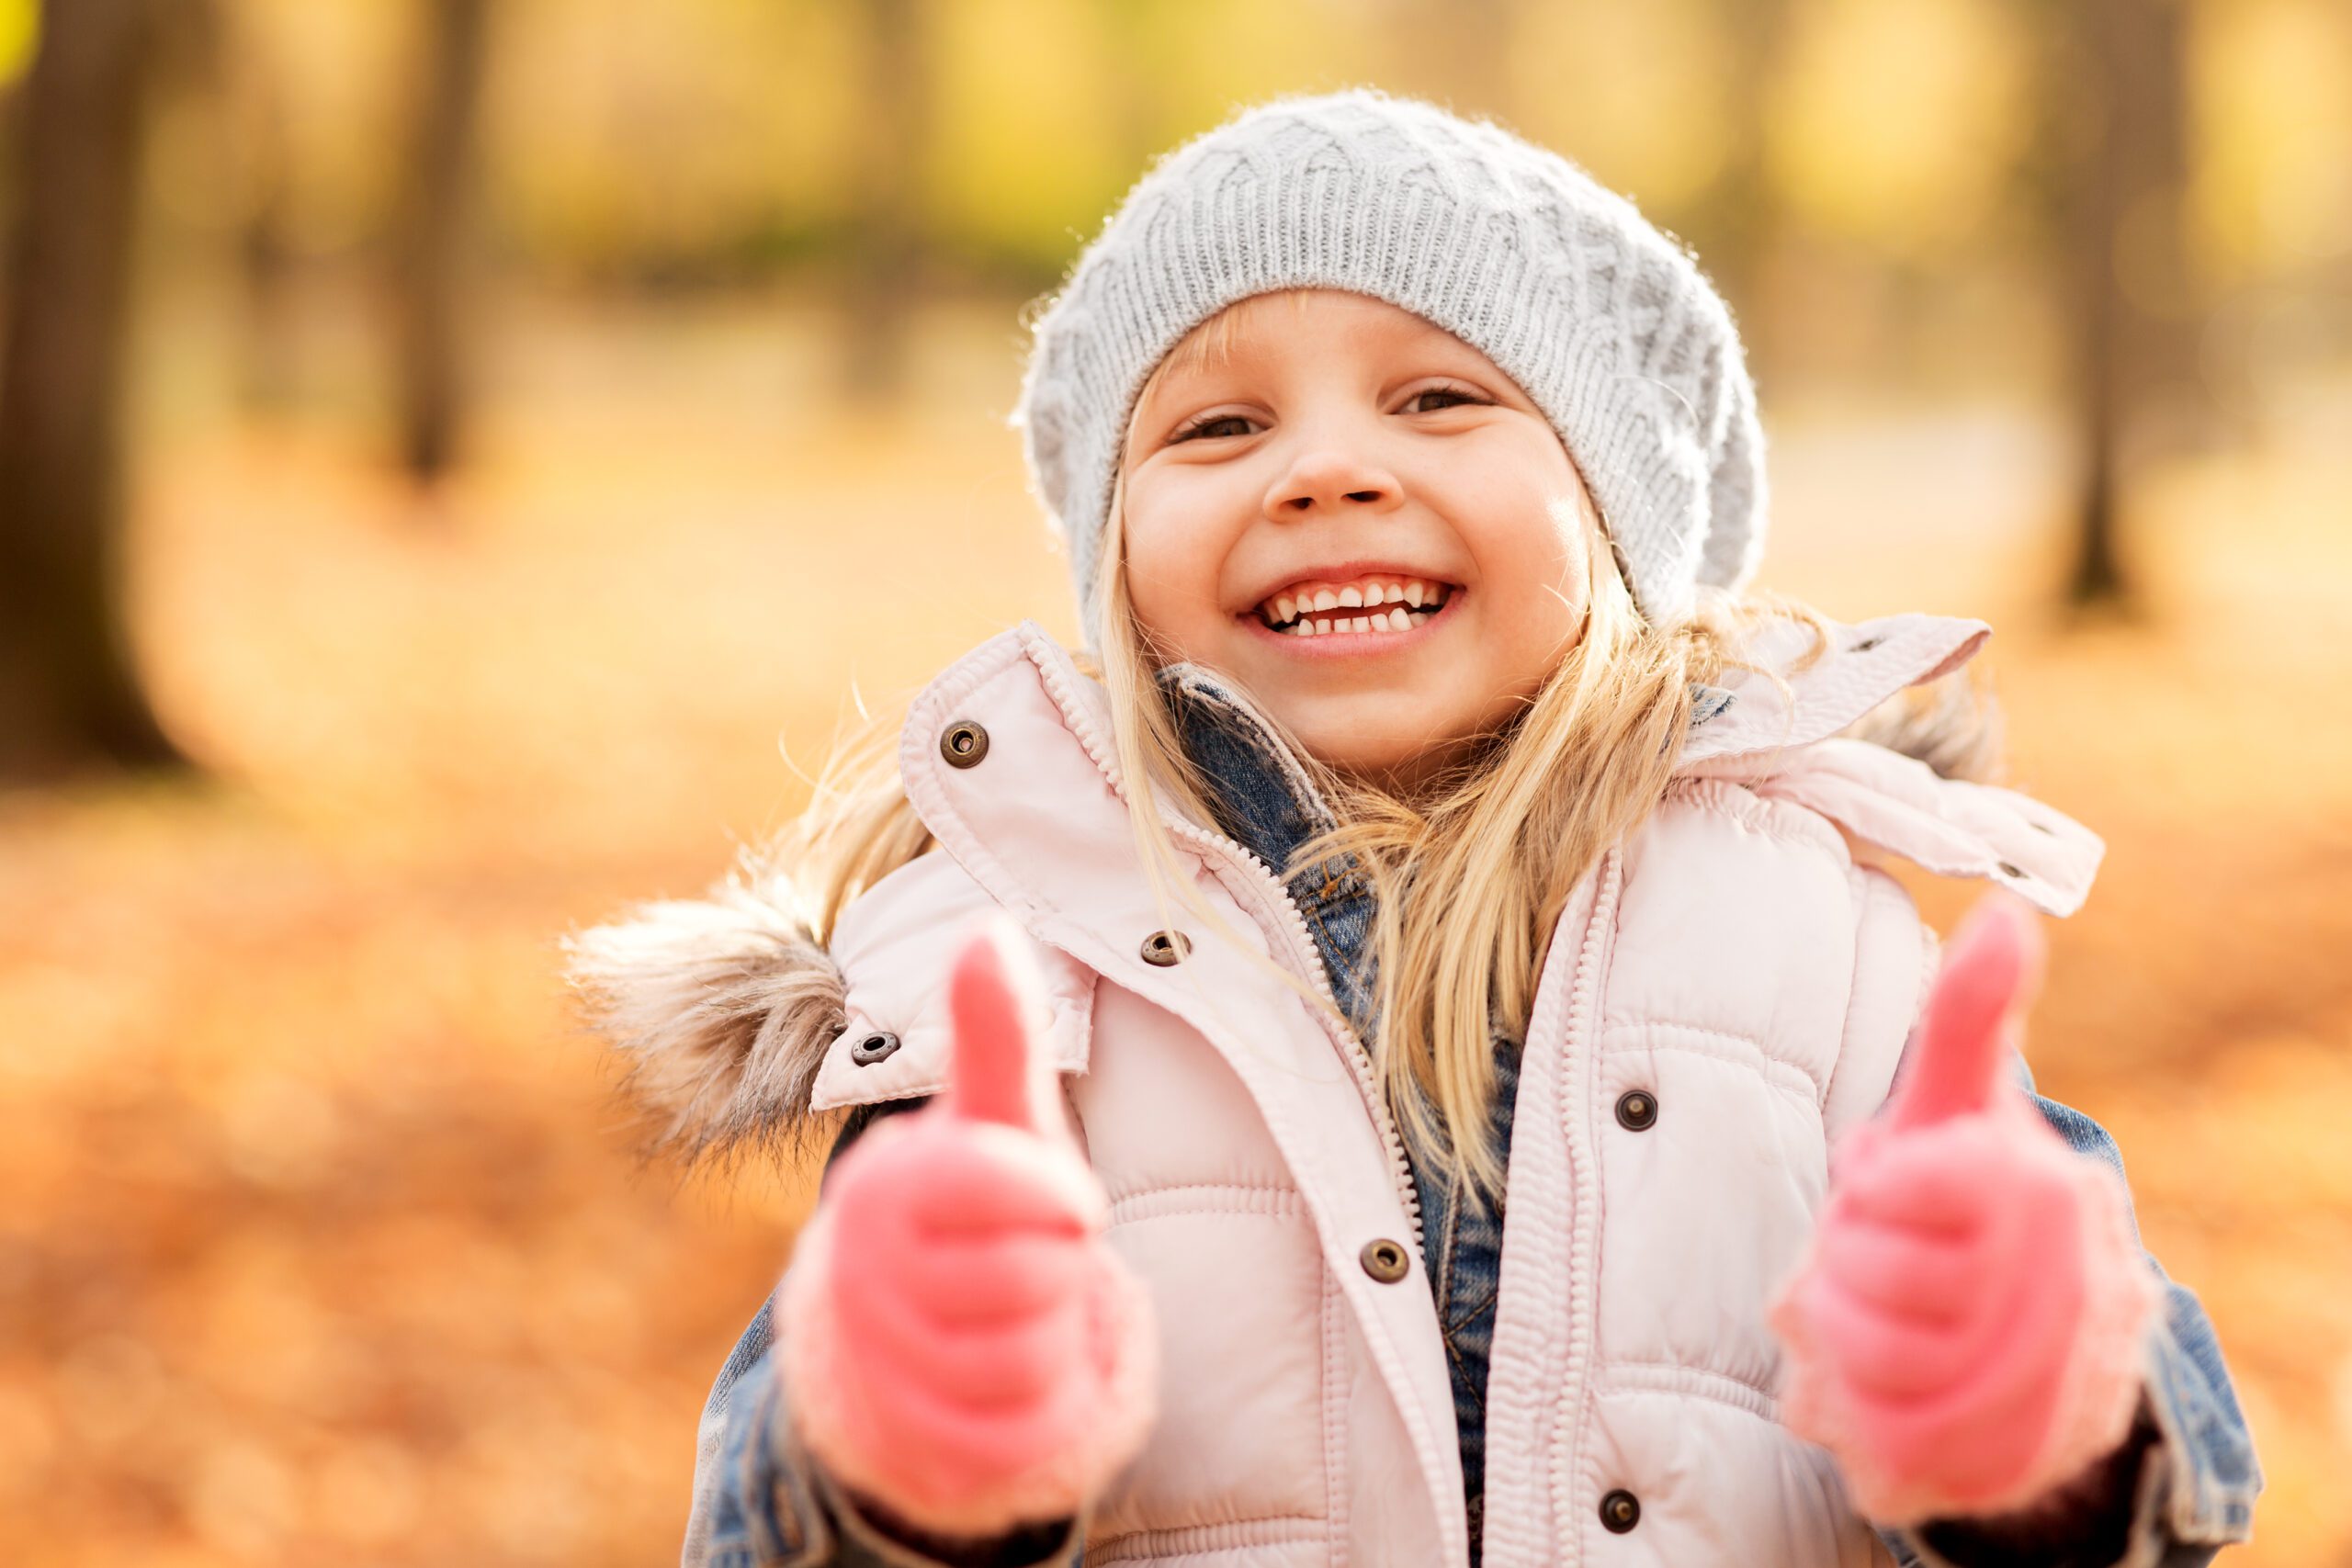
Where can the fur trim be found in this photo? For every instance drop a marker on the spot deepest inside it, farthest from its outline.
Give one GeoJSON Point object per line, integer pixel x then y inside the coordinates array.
{"type": "Point", "coordinates": [720, 1009]}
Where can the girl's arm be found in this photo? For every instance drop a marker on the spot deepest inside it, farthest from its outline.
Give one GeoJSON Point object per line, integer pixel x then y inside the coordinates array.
{"type": "Point", "coordinates": [761, 1498]}
{"type": "Point", "coordinates": [2182, 1486]}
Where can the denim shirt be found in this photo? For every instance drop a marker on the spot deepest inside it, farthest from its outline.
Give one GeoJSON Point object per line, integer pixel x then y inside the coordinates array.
{"type": "Point", "coordinates": [2181, 1486]}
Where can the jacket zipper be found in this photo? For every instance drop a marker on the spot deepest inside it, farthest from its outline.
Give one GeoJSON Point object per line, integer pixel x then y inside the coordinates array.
{"type": "Point", "coordinates": [1358, 1058]}
{"type": "Point", "coordinates": [1304, 954]}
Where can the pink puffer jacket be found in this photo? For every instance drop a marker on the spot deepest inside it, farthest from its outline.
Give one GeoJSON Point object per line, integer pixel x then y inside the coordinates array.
{"type": "Point", "coordinates": [1739, 960]}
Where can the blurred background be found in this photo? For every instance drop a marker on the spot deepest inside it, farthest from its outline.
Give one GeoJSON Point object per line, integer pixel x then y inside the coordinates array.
{"type": "Point", "coordinates": [462, 461]}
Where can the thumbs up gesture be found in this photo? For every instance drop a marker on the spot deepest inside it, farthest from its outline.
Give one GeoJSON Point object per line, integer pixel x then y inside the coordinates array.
{"type": "Point", "coordinates": [1963, 1333]}
{"type": "Point", "coordinates": [960, 1343]}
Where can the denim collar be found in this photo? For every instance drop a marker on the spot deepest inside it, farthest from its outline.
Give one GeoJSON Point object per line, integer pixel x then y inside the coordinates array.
{"type": "Point", "coordinates": [1264, 800]}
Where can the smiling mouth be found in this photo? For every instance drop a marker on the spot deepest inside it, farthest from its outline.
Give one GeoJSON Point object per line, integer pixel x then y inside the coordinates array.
{"type": "Point", "coordinates": [1373, 604]}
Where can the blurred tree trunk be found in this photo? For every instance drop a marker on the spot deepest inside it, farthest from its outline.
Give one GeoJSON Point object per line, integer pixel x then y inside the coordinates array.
{"type": "Point", "coordinates": [68, 694]}
{"type": "Point", "coordinates": [885, 252]}
{"type": "Point", "coordinates": [2136, 315]}
{"type": "Point", "coordinates": [271, 373]}
{"type": "Point", "coordinates": [429, 278]}
{"type": "Point", "coordinates": [1738, 226]}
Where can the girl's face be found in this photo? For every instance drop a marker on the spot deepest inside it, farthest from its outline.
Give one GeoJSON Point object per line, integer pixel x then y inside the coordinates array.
{"type": "Point", "coordinates": [1363, 521]}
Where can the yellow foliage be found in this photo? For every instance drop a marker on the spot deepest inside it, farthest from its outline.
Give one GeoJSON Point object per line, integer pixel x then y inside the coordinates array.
{"type": "Point", "coordinates": [20, 35]}
{"type": "Point", "coordinates": [2273, 182]}
{"type": "Point", "coordinates": [617, 128]}
{"type": "Point", "coordinates": [1897, 122]}
{"type": "Point", "coordinates": [1025, 141]}
{"type": "Point", "coordinates": [1635, 93]}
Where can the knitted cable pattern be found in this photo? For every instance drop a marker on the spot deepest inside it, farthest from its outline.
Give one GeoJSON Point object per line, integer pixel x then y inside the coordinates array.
{"type": "Point", "coordinates": [1605, 322]}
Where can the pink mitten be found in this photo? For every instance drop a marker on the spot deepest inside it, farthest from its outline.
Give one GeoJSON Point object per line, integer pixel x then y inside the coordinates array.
{"type": "Point", "coordinates": [961, 1345]}
{"type": "Point", "coordinates": [1964, 1331]}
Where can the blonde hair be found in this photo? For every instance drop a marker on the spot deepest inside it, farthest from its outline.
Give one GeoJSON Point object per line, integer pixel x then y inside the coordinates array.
{"type": "Point", "coordinates": [1471, 874]}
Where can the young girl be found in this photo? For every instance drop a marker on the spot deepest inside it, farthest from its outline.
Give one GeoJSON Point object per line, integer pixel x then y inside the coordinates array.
{"type": "Point", "coordinates": [1379, 1022]}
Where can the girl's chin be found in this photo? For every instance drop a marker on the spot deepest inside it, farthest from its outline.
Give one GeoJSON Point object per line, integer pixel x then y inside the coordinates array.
{"type": "Point", "coordinates": [1367, 734]}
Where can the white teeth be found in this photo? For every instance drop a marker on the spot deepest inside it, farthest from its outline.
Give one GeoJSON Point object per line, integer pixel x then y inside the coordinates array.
{"type": "Point", "coordinates": [1289, 613]}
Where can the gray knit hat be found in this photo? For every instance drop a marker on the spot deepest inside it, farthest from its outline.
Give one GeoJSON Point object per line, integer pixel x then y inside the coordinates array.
{"type": "Point", "coordinates": [1605, 321]}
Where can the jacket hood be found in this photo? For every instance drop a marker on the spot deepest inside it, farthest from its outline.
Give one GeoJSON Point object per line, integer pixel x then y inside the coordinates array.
{"type": "Point", "coordinates": [719, 1010]}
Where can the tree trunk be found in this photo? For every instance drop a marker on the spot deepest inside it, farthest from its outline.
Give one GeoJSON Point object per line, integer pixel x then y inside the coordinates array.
{"type": "Point", "coordinates": [68, 695]}
{"type": "Point", "coordinates": [2134, 305]}
{"type": "Point", "coordinates": [429, 283]}
{"type": "Point", "coordinates": [885, 248]}
{"type": "Point", "coordinates": [1738, 224]}
{"type": "Point", "coordinates": [271, 377]}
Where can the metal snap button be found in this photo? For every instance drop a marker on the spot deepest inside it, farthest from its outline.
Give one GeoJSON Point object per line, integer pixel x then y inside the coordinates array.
{"type": "Point", "coordinates": [1637, 1110]}
{"type": "Point", "coordinates": [1386, 1260]}
{"type": "Point", "coordinates": [1866, 644]}
{"type": "Point", "coordinates": [1166, 948]}
{"type": "Point", "coordinates": [874, 1049]}
{"type": "Point", "coordinates": [2006, 869]}
{"type": "Point", "coordinates": [962, 743]}
{"type": "Point", "coordinates": [1620, 1511]}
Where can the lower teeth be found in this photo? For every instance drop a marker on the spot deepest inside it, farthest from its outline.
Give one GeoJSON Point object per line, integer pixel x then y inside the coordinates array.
{"type": "Point", "coordinates": [1324, 625]}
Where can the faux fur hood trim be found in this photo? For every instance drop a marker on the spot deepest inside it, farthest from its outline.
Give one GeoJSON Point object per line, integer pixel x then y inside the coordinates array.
{"type": "Point", "coordinates": [720, 1010]}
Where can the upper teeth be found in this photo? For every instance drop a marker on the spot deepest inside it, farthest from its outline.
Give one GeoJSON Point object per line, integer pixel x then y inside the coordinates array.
{"type": "Point", "coordinates": [1371, 592]}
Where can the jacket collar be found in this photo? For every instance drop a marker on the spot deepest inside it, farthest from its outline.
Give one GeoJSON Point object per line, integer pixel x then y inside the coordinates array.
{"type": "Point", "coordinates": [1267, 803]}
{"type": "Point", "coordinates": [1752, 715]}
{"type": "Point", "coordinates": [1265, 800]}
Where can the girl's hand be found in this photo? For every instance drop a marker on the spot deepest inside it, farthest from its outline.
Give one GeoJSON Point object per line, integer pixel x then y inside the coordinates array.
{"type": "Point", "coordinates": [961, 1345]}
{"type": "Point", "coordinates": [1964, 1332]}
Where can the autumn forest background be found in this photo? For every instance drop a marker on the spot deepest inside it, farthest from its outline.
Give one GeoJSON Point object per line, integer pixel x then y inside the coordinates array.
{"type": "Point", "coordinates": [462, 462]}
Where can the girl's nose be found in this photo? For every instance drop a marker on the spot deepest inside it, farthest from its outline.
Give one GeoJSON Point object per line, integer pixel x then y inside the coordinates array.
{"type": "Point", "coordinates": [1330, 481]}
